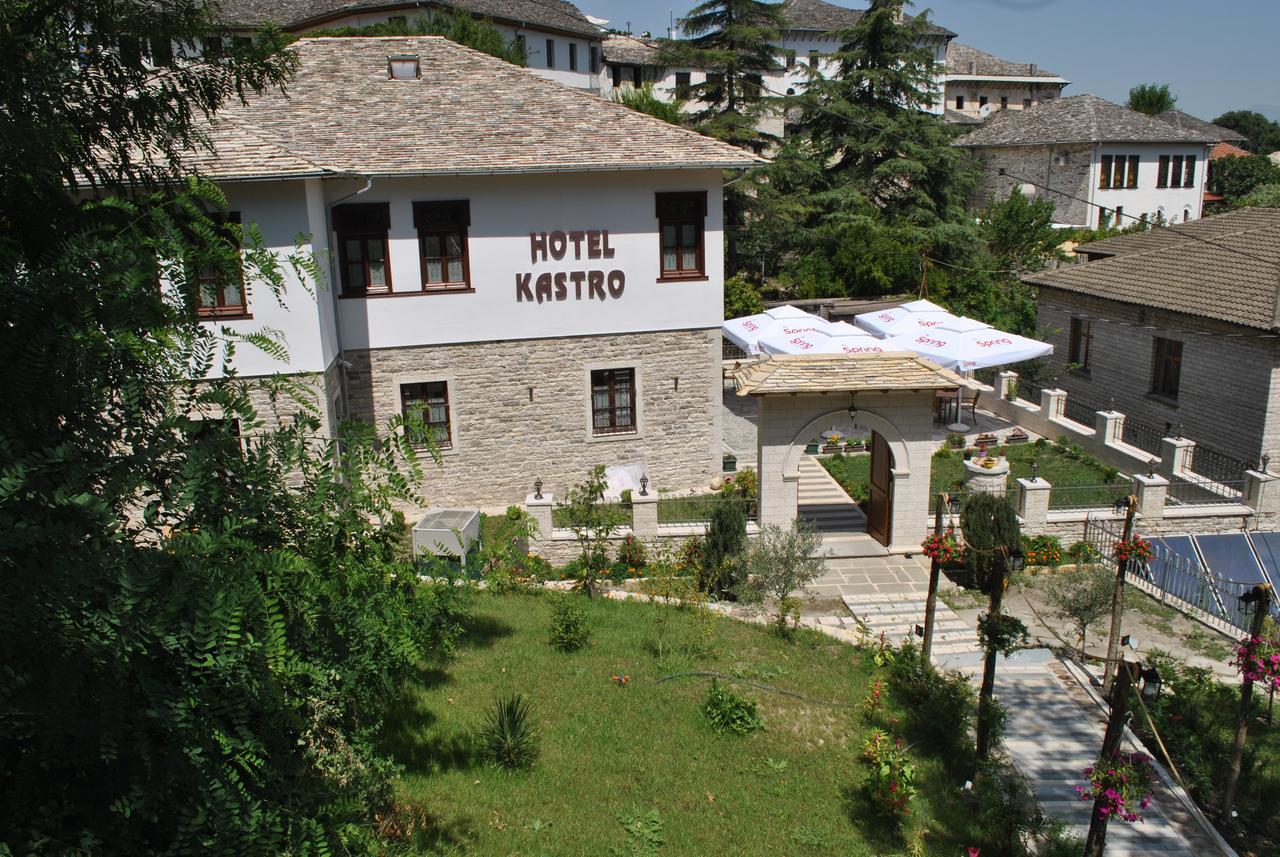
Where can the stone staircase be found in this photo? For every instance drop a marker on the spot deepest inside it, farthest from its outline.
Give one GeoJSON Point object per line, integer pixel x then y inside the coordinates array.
{"type": "Point", "coordinates": [822, 504]}
{"type": "Point", "coordinates": [955, 642]}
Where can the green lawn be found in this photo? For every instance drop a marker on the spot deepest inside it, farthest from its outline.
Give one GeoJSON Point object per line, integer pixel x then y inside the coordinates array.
{"type": "Point", "coordinates": [1082, 480]}
{"type": "Point", "coordinates": [608, 750]}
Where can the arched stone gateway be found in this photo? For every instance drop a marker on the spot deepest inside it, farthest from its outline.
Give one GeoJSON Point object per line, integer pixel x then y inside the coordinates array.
{"type": "Point", "coordinates": [889, 395]}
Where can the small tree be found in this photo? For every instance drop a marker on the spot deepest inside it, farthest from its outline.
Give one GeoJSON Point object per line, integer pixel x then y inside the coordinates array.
{"type": "Point", "coordinates": [721, 568]}
{"type": "Point", "coordinates": [782, 562]}
{"type": "Point", "coordinates": [1083, 597]}
{"type": "Point", "coordinates": [1151, 98]}
{"type": "Point", "coordinates": [990, 527]}
{"type": "Point", "coordinates": [591, 523]}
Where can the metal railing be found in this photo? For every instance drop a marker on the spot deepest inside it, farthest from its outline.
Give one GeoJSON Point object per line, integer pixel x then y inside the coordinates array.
{"type": "Point", "coordinates": [1188, 489]}
{"type": "Point", "coordinates": [1029, 391]}
{"type": "Point", "coordinates": [1079, 411]}
{"type": "Point", "coordinates": [614, 514]}
{"type": "Point", "coordinates": [1216, 466]}
{"type": "Point", "coordinates": [1142, 435]}
{"type": "Point", "coordinates": [729, 351]}
{"type": "Point", "coordinates": [697, 509]}
{"type": "Point", "coordinates": [1101, 496]}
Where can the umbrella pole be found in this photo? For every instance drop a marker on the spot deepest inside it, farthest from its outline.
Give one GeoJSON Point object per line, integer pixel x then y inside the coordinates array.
{"type": "Point", "coordinates": [958, 426]}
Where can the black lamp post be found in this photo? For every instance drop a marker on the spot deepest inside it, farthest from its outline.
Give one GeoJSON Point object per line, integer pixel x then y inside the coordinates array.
{"type": "Point", "coordinates": [1035, 470]}
{"type": "Point", "coordinates": [1151, 683]}
{"type": "Point", "coordinates": [537, 489]}
{"type": "Point", "coordinates": [644, 486]}
{"type": "Point", "coordinates": [1017, 561]}
{"type": "Point", "coordinates": [953, 502]}
{"type": "Point", "coordinates": [853, 409]}
{"type": "Point", "coordinates": [1122, 505]}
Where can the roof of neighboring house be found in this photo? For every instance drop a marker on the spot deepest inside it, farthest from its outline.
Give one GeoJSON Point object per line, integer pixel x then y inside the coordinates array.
{"type": "Point", "coordinates": [468, 113]}
{"type": "Point", "coordinates": [962, 58]}
{"type": "Point", "coordinates": [1232, 279]}
{"type": "Point", "coordinates": [1239, 220]}
{"type": "Point", "coordinates": [1227, 150]}
{"type": "Point", "coordinates": [301, 14]}
{"type": "Point", "coordinates": [957, 117]}
{"type": "Point", "coordinates": [838, 373]}
{"type": "Point", "coordinates": [1076, 119]}
{"type": "Point", "coordinates": [822, 17]}
{"type": "Point", "coordinates": [630, 50]}
{"type": "Point", "coordinates": [1187, 122]}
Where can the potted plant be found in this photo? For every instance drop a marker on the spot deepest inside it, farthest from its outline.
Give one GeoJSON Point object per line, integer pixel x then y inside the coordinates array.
{"type": "Point", "coordinates": [955, 440]}
{"type": "Point", "coordinates": [730, 463]}
{"type": "Point", "coordinates": [812, 446]}
{"type": "Point", "coordinates": [1011, 392]}
{"type": "Point", "coordinates": [1016, 436]}
{"type": "Point", "coordinates": [969, 453]}
{"type": "Point", "coordinates": [833, 444]}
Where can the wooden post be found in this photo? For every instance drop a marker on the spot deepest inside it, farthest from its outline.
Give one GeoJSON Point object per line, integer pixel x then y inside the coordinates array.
{"type": "Point", "coordinates": [1117, 604]}
{"type": "Point", "coordinates": [1097, 838]}
{"type": "Point", "coordinates": [989, 665]}
{"type": "Point", "coordinates": [935, 568]}
{"type": "Point", "coordinates": [1261, 606]}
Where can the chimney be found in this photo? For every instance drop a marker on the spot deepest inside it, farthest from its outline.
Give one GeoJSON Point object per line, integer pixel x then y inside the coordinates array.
{"type": "Point", "coordinates": [973, 66]}
{"type": "Point", "coordinates": [1031, 70]}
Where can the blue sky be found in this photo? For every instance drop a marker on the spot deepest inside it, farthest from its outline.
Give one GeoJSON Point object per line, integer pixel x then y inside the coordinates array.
{"type": "Point", "coordinates": [1216, 57]}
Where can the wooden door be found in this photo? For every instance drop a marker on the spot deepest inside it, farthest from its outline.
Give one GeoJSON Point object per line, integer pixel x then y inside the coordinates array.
{"type": "Point", "coordinates": [880, 503]}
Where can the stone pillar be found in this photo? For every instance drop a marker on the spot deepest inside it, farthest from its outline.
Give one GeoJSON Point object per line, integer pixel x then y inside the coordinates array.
{"type": "Point", "coordinates": [1175, 453]}
{"type": "Point", "coordinates": [1150, 491]}
{"type": "Point", "coordinates": [1033, 501]}
{"type": "Point", "coordinates": [1052, 403]}
{"type": "Point", "coordinates": [644, 514]}
{"type": "Point", "coordinates": [986, 480]}
{"type": "Point", "coordinates": [540, 510]}
{"type": "Point", "coordinates": [1110, 426]}
{"type": "Point", "coordinates": [1262, 492]}
{"type": "Point", "coordinates": [1005, 380]}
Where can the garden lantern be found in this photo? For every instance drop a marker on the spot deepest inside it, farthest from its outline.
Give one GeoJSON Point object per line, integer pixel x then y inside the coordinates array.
{"type": "Point", "coordinates": [644, 486]}
{"type": "Point", "coordinates": [537, 489]}
{"type": "Point", "coordinates": [953, 502]}
{"type": "Point", "coordinates": [1016, 559]}
{"type": "Point", "coordinates": [853, 409]}
{"type": "Point", "coordinates": [1122, 505]}
{"type": "Point", "coordinates": [1035, 470]}
{"type": "Point", "coordinates": [1266, 459]}
{"type": "Point", "coordinates": [1151, 467]}
{"type": "Point", "coordinates": [1151, 683]}
{"type": "Point", "coordinates": [1250, 600]}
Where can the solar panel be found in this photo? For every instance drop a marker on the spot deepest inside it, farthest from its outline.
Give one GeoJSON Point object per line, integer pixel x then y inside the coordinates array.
{"type": "Point", "coordinates": [1229, 556]}
{"type": "Point", "coordinates": [1179, 546]}
{"type": "Point", "coordinates": [1268, 547]}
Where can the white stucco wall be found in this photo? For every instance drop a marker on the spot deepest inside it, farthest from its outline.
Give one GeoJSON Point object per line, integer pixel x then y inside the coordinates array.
{"type": "Point", "coordinates": [504, 211]}
{"type": "Point", "coordinates": [1146, 198]}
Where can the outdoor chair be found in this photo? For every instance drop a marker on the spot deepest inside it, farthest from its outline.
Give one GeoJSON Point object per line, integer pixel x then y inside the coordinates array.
{"type": "Point", "coordinates": [970, 405]}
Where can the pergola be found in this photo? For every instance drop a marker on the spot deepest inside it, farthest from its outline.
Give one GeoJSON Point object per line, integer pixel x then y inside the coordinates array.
{"type": "Point", "coordinates": [890, 395]}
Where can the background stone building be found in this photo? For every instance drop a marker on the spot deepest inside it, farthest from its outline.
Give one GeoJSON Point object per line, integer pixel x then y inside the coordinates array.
{"type": "Point", "coordinates": [978, 83]}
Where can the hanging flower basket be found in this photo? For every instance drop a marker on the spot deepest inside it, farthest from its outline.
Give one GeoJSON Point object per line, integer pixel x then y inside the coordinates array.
{"type": "Point", "coordinates": [944, 548]}
{"type": "Point", "coordinates": [1258, 659]}
{"type": "Point", "coordinates": [1123, 783]}
{"type": "Point", "coordinates": [1135, 548]}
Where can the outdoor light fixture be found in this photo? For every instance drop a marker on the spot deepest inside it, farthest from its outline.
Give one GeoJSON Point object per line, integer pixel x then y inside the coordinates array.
{"type": "Point", "coordinates": [920, 631]}
{"type": "Point", "coordinates": [1151, 467]}
{"type": "Point", "coordinates": [1016, 559]}
{"type": "Point", "coordinates": [1266, 459]}
{"type": "Point", "coordinates": [1250, 600]}
{"type": "Point", "coordinates": [1151, 683]}
{"type": "Point", "coordinates": [1035, 468]}
{"type": "Point", "coordinates": [537, 489]}
{"type": "Point", "coordinates": [644, 486]}
{"type": "Point", "coordinates": [853, 408]}
{"type": "Point", "coordinates": [1177, 431]}
{"type": "Point", "coordinates": [954, 503]}
{"type": "Point", "coordinates": [1122, 505]}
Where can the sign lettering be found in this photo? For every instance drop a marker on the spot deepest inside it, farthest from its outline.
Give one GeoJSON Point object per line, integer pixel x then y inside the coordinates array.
{"type": "Point", "coordinates": [556, 246]}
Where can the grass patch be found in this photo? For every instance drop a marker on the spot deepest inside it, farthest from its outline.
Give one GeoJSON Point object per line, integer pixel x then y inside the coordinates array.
{"type": "Point", "coordinates": [613, 754]}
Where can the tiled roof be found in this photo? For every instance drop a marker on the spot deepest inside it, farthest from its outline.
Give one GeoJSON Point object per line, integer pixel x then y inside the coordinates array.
{"type": "Point", "coordinates": [1187, 122]}
{"type": "Point", "coordinates": [1240, 220]}
{"type": "Point", "coordinates": [469, 113]}
{"type": "Point", "coordinates": [1076, 119]}
{"type": "Point", "coordinates": [815, 15]}
{"type": "Point", "coordinates": [962, 59]}
{"type": "Point", "coordinates": [632, 51]}
{"type": "Point", "coordinates": [1233, 279]}
{"type": "Point", "coordinates": [957, 117]}
{"type": "Point", "coordinates": [1227, 150]}
{"type": "Point", "coordinates": [301, 14]}
{"type": "Point", "coordinates": [841, 373]}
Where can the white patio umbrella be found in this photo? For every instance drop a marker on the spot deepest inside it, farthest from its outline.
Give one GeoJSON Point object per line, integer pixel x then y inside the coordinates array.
{"type": "Point", "coordinates": [835, 340]}
{"type": "Point", "coordinates": [746, 332]}
{"type": "Point", "coordinates": [969, 344]}
{"type": "Point", "coordinates": [907, 318]}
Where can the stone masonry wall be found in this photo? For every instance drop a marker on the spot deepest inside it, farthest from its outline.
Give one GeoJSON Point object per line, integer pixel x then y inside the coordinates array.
{"type": "Point", "coordinates": [1035, 164]}
{"type": "Point", "coordinates": [520, 410]}
{"type": "Point", "coordinates": [1225, 392]}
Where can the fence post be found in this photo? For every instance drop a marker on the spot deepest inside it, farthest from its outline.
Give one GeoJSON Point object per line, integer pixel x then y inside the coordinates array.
{"type": "Point", "coordinates": [1175, 456]}
{"type": "Point", "coordinates": [1110, 426]}
{"type": "Point", "coordinates": [1151, 492]}
{"type": "Point", "coordinates": [1005, 380]}
{"type": "Point", "coordinates": [1052, 402]}
{"type": "Point", "coordinates": [1033, 502]}
{"type": "Point", "coordinates": [1261, 494]}
{"type": "Point", "coordinates": [644, 514]}
{"type": "Point", "coordinates": [540, 510]}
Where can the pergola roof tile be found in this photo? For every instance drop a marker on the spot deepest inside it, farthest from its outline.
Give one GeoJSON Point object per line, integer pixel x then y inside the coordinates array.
{"type": "Point", "coordinates": [838, 373]}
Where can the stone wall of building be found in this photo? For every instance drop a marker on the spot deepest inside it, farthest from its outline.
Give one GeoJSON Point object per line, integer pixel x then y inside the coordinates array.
{"type": "Point", "coordinates": [1069, 177]}
{"type": "Point", "coordinates": [1228, 393]}
{"type": "Point", "coordinates": [520, 410]}
{"type": "Point", "coordinates": [995, 89]}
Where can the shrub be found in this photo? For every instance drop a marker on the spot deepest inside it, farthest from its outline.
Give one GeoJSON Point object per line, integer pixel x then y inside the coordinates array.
{"type": "Point", "coordinates": [510, 735]}
{"type": "Point", "coordinates": [692, 551]}
{"type": "Point", "coordinates": [729, 712]}
{"type": "Point", "coordinates": [1040, 443]}
{"type": "Point", "coordinates": [534, 566]}
{"type": "Point", "coordinates": [632, 553]}
{"type": "Point", "coordinates": [891, 780]}
{"type": "Point", "coordinates": [1083, 597]}
{"type": "Point", "coordinates": [781, 562]}
{"type": "Point", "coordinates": [568, 631]}
{"type": "Point", "coordinates": [938, 705]}
{"type": "Point", "coordinates": [746, 484]}
{"type": "Point", "coordinates": [1042, 550]}
{"type": "Point", "coordinates": [990, 525]}
{"type": "Point", "coordinates": [721, 569]}
{"type": "Point", "coordinates": [1083, 552]}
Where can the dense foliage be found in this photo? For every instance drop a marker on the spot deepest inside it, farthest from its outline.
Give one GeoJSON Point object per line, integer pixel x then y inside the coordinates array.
{"type": "Point", "coordinates": [645, 100]}
{"type": "Point", "coordinates": [1263, 134]}
{"type": "Point", "coordinates": [1236, 178]}
{"type": "Point", "coordinates": [1151, 98]}
{"type": "Point", "coordinates": [203, 612]}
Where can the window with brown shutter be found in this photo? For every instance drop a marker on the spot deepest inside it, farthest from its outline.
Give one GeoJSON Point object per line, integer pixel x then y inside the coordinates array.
{"type": "Point", "coordinates": [1079, 344]}
{"type": "Point", "coordinates": [1175, 171]}
{"type": "Point", "coordinates": [429, 402]}
{"type": "Point", "coordinates": [1189, 172]}
{"type": "Point", "coordinates": [442, 244]}
{"type": "Point", "coordinates": [1104, 175]}
{"type": "Point", "coordinates": [363, 251]}
{"type": "Point", "coordinates": [573, 57]}
{"type": "Point", "coordinates": [1117, 173]}
{"type": "Point", "coordinates": [613, 401]}
{"type": "Point", "coordinates": [220, 289]}
{"type": "Point", "coordinates": [681, 227]}
{"type": "Point", "coordinates": [551, 53]}
{"type": "Point", "coordinates": [1162, 172]}
{"type": "Point", "coordinates": [1132, 178]}
{"type": "Point", "coordinates": [1166, 367]}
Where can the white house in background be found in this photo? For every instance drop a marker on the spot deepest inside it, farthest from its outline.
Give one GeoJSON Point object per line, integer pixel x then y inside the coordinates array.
{"type": "Point", "coordinates": [1095, 160]}
{"type": "Point", "coordinates": [535, 270]}
{"type": "Point", "coordinates": [978, 83]}
{"type": "Point", "coordinates": [560, 43]}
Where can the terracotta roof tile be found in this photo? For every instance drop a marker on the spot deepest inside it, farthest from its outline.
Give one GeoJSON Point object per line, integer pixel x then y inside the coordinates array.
{"type": "Point", "coordinates": [469, 113]}
{"type": "Point", "coordinates": [839, 373]}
